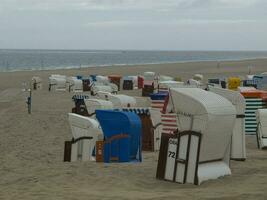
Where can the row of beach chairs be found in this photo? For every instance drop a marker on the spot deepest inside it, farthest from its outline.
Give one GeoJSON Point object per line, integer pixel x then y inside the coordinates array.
{"type": "Point", "coordinates": [196, 132]}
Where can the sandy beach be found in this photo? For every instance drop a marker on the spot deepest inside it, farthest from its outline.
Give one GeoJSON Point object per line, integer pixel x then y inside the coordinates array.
{"type": "Point", "coordinates": [32, 146]}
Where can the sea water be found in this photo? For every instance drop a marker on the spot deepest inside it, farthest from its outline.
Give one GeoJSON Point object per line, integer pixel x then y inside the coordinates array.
{"type": "Point", "coordinates": [19, 60]}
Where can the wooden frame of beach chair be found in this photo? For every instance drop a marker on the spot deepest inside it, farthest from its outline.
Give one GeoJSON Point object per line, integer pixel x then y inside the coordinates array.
{"type": "Point", "coordinates": [74, 150]}
{"type": "Point", "coordinates": [147, 126]}
{"type": "Point", "coordinates": [112, 139]}
{"type": "Point", "coordinates": [182, 160]}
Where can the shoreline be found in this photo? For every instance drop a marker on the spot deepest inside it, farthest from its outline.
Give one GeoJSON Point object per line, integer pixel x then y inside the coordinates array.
{"type": "Point", "coordinates": [138, 65]}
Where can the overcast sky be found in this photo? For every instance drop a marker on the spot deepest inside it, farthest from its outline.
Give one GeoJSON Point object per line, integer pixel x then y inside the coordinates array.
{"type": "Point", "coordinates": [134, 24]}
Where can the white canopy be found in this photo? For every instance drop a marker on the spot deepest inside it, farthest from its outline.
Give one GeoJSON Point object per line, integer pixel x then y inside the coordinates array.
{"type": "Point", "coordinates": [102, 79]}
{"type": "Point", "coordinates": [103, 88]}
{"type": "Point", "coordinates": [201, 149]}
{"type": "Point", "coordinates": [120, 101]}
{"type": "Point", "coordinates": [170, 84]}
{"type": "Point", "coordinates": [58, 82]}
{"type": "Point", "coordinates": [198, 77]}
{"type": "Point", "coordinates": [36, 79]}
{"type": "Point", "coordinates": [212, 115]}
{"type": "Point", "coordinates": [84, 127]}
{"type": "Point", "coordinates": [75, 85]}
{"type": "Point", "coordinates": [261, 116]}
{"type": "Point", "coordinates": [238, 150]}
{"type": "Point", "coordinates": [165, 78]}
{"type": "Point", "coordinates": [97, 104]}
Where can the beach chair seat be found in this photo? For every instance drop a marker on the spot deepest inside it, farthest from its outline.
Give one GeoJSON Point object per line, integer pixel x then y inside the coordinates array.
{"type": "Point", "coordinates": [85, 133]}
{"type": "Point", "coordinates": [36, 83]}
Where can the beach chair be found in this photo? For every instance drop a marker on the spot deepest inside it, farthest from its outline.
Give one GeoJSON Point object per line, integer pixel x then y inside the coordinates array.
{"type": "Point", "coordinates": [79, 101]}
{"type": "Point", "coordinates": [102, 79]}
{"type": "Point", "coordinates": [200, 149]}
{"type": "Point", "coordinates": [238, 148]}
{"type": "Point", "coordinates": [194, 82]}
{"type": "Point", "coordinates": [87, 83]}
{"type": "Point", "coordinates": [261, 133]}
{"type": "Point", "coordinates": [36, 83]}
{"type": "Point", "coordinates": [57, 82]}
{"type": "Point", "coordinates": [85, 133]}
{"type": "Point", "coordinates": [135, 81]}
{"type": "Point", "coordinates": [115, 79]}
{"type": "Point", "coordinates": [74, 84]}
{"type": "Point", "coordinates": [255, 99]}
{"type": "Point", "coordinates": [122, 135]}
{"type": "Point", "coordinates": [101, 88]}
{"type": "Point", "coordinates": [198, 77]}
{"type": "Point", "coordinates": [128, 83]}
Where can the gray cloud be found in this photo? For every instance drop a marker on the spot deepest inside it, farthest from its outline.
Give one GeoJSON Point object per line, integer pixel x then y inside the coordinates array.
{"type": "Point", "coordinates": [134, 24]}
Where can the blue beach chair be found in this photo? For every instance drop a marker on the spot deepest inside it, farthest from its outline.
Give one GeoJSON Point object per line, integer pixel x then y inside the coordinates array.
{"type": "Point", "coordinates": [122, 133]}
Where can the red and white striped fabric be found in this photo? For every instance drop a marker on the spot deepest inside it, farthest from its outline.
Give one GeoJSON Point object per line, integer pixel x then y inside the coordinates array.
{"type": "Point", "coordinates": [158, 104]}
{"type": "Point", "coordinates": [168, 120]}
{"type": "Point", "coordinates": [169, 123]}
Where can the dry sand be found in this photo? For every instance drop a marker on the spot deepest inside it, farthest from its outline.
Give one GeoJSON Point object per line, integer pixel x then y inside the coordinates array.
{"type": "Point", "coordinates": [32, 146]}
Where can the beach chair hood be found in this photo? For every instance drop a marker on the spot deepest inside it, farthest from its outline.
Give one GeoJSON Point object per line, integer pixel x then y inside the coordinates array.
{"type": "Point", "coordinates": [97, 104]}
{"type": "Point", "coordinates": [238, 149]}
{"type": "Point", "coordinates": [212, 115]}
{"type": "Point", "coordinates": [122, 123]}
{"type": "Point", "coordinates": [120, 101]}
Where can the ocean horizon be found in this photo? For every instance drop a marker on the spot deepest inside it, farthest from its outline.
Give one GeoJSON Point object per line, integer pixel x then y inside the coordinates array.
{"type": "Point", "coordinates": [41, 59]}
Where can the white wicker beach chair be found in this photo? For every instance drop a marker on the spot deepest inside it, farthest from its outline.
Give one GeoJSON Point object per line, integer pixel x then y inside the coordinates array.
{"type": "Point", "coordinates": [238, 148]}
{"type": "Point", "coordinates": [261, 116]}
{"type": "Point", "coordinates": [85, 133]}
{"type": "Point", "coordinates": [201, 149]}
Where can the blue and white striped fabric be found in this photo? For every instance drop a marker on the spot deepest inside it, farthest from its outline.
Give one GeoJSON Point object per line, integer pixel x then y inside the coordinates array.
{"type": "Point", "coordinates": [80, 97]}
{"type": "Point", "coordinates": [137, 110]}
